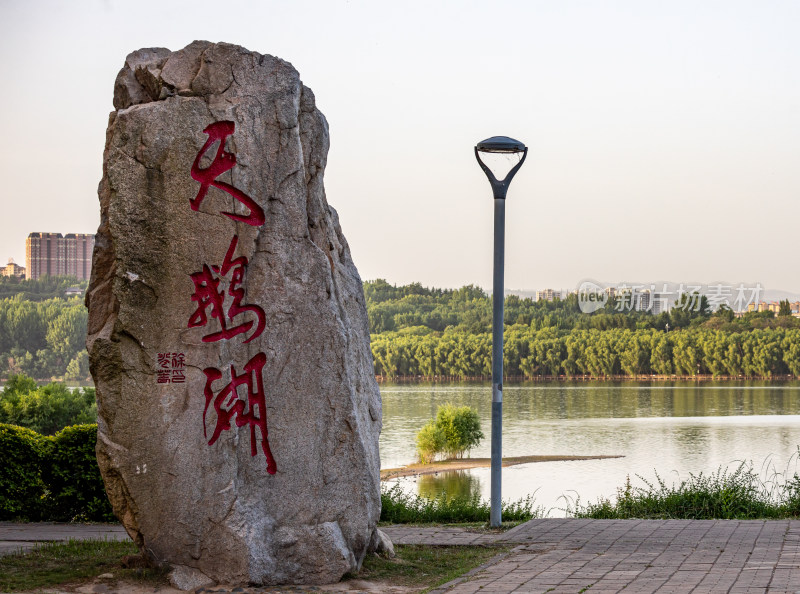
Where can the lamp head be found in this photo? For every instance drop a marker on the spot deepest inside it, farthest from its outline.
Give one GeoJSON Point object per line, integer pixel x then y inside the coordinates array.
{"type": "Point", "coordinates": [500, 144]}
{"type": "Point", "coordinates": [505, 146]}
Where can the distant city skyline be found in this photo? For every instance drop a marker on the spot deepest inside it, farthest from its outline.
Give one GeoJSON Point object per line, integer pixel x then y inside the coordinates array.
{"type": "Point", "coordinates": [53, 254]}
{"type": "Point", "coordinates": [663, 137]}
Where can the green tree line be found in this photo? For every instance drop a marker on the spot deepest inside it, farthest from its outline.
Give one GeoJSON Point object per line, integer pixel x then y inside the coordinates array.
{"type": "Point", "coordinates": [43, 338]}
{"type": "Point", "coordinates": [42, 289]}
{"type": "Point", "coordinates": [429, 331]}
{"type": "Point", "coordinates": [469, 309]}
{"type": "Point", "coordinates": [45, 409]}
{"type": "Point", "coordinates": [600, 353]}
{"type": "Point", "coordinates": [434, 332]}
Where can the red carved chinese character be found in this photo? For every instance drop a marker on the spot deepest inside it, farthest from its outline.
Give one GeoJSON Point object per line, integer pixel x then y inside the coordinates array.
{"type": "Point", "coordinates": [223, 161]}
{"type": "Point", "coordinates": [228, 405]}
{"type": "Point", "coordinates": [207, 294]}
{"type": "Point", "coordinates": [163, 360]}
{"type": "Point", "coordinates": [162, 376]}
{"type": "Point", "coordinates": [178, 361]}
{"type": "Point", "coordinates": [178, 376]}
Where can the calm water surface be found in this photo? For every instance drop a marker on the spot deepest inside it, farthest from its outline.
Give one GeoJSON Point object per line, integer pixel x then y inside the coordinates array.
{"type": "Point", "coordinates": [672, 429]}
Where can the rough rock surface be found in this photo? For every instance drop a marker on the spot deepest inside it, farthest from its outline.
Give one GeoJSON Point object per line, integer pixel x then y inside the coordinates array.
{"type": "Point", "coordinates": [183, 330]}
{"type": "Point", "coordinates": [381, 544]}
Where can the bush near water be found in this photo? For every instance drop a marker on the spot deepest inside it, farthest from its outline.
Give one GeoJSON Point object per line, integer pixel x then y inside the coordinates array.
{"type": "Point", "coordinates": [454, 431]}
{"type": "Point", "coordinates": [741, 494]}
{"type": "Point", "coordinates": [398, 507]}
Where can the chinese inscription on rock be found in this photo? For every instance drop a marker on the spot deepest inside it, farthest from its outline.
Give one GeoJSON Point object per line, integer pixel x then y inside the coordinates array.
{"type": "Point", "coordinates": [171, 368]}
{"type": "Point", "coordinates": [223, 161]}
{"type": "Point", "coordinates": [207, 295]}
{"type": "Point", "coordinates": [220, 308]}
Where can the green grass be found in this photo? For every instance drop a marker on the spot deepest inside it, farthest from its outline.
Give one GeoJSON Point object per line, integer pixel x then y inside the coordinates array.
{"type": "Point", "coordinates": [58, 564]}
{"type": "Point", "coordinates": [398, 507]}
{"type": "Point", "coordinates": [738, 495]}
{"type": "Point", "coordinates": [424, 566]}
{"type": "Point", "coordinates": [53, 564]}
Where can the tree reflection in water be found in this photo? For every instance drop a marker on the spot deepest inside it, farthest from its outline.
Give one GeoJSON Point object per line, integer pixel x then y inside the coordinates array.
{"type": "Point", "coordinates": [455, 483]}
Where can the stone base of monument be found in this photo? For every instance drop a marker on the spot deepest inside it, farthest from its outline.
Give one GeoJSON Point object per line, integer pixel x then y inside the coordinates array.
{"type": "Point", "coordinates": [189, 578]}
{"type": "Point", "coordinates": [238, 413]}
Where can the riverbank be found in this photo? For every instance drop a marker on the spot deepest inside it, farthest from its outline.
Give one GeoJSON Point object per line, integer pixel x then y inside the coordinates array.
{"type": "Point", "coordinates": [468, 463]}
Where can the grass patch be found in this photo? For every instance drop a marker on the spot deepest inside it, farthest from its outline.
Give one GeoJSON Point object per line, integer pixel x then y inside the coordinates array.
{"type": "Point", "coordinates": [424, 566]}
{"type": "Point", "coordinates": [739, 495]}
{"type": "Point", "coordinates": [398, 507]}
{"type": "Point", "coordinates": [75, 562]}
{"type": "Point", "coordinates": [53, 564]}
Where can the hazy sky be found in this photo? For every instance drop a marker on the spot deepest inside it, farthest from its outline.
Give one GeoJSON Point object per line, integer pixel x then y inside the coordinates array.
{"type": "Point", "coordinates": [664, 137]}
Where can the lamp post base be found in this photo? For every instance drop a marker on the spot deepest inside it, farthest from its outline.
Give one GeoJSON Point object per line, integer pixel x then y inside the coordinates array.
{"type": "Point", "coordinates": [495, 516]}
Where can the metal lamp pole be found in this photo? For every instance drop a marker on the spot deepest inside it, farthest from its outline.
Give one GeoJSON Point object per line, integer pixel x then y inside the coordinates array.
{"type": "Point", "coordinates": [503, 145]}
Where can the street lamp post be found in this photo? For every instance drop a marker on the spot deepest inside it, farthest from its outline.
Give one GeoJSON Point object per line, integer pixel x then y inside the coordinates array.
{"type": "Point", "coordinates": [504, 146]}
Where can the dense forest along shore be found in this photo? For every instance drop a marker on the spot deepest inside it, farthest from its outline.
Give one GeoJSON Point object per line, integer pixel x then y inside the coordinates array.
{"type": "Point", "coordinates": [435, 333]}
{"type": "Point", "coordinates": [430, 332]}
{"type": "Point", "coordinates": [518, 379]}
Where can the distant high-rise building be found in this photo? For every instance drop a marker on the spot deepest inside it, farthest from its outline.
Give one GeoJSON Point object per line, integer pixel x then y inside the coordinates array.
{"type": "Point", "coordinates": [12, 269]}
{"type": "Point", "coordinates": [660, 303]}
{"type": "Point", "coordinates": [548, 295]}
{"type": "Point", "coordinates": [50, 254]}
{"type": "Point", "coordinates": [760, 306]}
{"type": "Point", "coordinates": [78, 255]}
{"type": "Point", "coordinates": [643, 301]}
{"type": "Point", "coordinates": [43, 255]}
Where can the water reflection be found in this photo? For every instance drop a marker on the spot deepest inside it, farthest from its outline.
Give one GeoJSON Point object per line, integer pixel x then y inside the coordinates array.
{"type": "Point", "coordinates": [455, 483]}
{"type": "Point", "coordinates": [672, 429]}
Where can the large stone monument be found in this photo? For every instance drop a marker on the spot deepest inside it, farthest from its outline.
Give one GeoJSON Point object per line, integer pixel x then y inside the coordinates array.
{"type": "Point", "coordinates": [238, 411]}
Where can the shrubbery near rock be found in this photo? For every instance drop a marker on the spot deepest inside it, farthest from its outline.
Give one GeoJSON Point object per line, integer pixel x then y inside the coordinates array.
{"type": "Point", "coordinates": [70, 472]}
{"type": "Point", "coordinates": [21, 486]}
{"type": "Point", "coordinates": [53, 478]}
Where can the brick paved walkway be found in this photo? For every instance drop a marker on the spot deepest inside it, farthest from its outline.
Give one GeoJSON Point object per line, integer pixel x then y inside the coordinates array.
{"type": "Point", "coordinates": [634, 556]}
{"type": "Point", "coordinates": [568, 555]}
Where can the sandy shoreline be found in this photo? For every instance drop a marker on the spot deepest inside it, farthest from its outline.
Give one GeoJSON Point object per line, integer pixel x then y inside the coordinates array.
{"type": "Point", "coordinates": [467, 463]}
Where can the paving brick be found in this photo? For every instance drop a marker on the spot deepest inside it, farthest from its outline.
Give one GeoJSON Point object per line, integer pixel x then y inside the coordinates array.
{"type": "Point", "coordinates": [566, 555]}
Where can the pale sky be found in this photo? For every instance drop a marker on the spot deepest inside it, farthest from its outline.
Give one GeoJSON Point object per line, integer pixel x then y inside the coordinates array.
{"type": "Point", "coordinates": [664, 137]}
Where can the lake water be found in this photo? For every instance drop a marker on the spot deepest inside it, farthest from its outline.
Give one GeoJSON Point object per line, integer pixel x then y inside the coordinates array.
{"type": "Point", "coordinates": [670, 428]}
